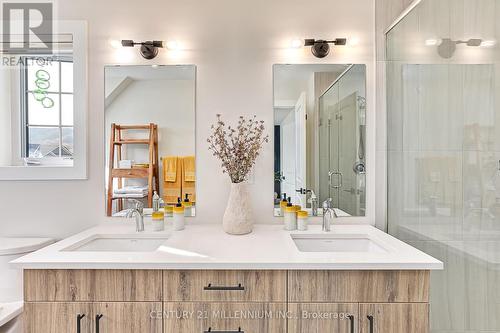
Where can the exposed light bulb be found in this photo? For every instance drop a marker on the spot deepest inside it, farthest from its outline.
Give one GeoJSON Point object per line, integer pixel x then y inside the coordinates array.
{"type": "Point", "coordinates": [115, 43]}
{"type": "Point", "coordinates": [296, 43]}
{"type": "Point", "coordinates": [432, 42]}
{"type": "Point", "coordinates": [172, 45]}
{"type": "Point", "coordinates": [353, 41]}
{"type": "Point", "coordinates": [488, 43]}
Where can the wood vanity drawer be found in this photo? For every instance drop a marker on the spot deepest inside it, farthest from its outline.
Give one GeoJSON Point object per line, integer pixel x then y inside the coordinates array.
{"type": "Point", "coordinates": [188, 317]}
{"type": "Point", "coordinates": [92, 285]}
{"type": "Point", "coordinates": [358, 286]}
{"type": "Point", "coordinates": [57, 317]}
{"type": "Point", "coordinates": [394, 318]}
{"type": "Point", "coordinates": [225, 286]}
{"type": "Point", "coordinates": [114, 317]}
{"type": "Point", "coordinates": [323, 317]}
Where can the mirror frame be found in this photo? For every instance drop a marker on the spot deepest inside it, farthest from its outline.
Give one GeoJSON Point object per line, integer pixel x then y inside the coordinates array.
{"type": "Point", "coordinates": [78, 29]}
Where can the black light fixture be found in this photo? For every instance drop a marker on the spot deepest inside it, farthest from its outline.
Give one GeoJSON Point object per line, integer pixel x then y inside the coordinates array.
{"type": "Point", "coordinates": [149, 49]}
{"type": "Point", "coordinates": [320, 48]}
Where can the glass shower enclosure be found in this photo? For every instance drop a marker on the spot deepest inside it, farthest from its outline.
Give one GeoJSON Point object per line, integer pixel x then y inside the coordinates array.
{"type": "Point", "coordinates": [443, 153]}
{"type": "Point", "coordinates": [342, 129]}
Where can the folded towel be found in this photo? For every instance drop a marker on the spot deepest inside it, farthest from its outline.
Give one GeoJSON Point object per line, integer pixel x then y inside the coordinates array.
{"type": "Point", "coordinates": [189, 168]}
{"type": "Point", "coordinates": [139, 190]}
{"type": "Point", "coordinates": [170, 168]}
{"type": "Point", "coordinates": [130, 195]}
{"type": "Point", "coordinates": [172, 189]}
{"type": "Point", "coordinates": [188, 178]}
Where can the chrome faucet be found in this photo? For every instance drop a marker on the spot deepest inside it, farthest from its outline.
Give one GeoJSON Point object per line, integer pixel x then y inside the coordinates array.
{"type": "Point", "coordinates": [328, 214]}
{"type": "Point", "coordinates": [138, 213]}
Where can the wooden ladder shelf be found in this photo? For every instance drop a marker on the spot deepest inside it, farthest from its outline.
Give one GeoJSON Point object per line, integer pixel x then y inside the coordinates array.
{"type": "Point", "coordinates": [117, 141]}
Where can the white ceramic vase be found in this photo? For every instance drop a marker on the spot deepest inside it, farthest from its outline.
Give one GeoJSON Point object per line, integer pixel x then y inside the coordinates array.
{"type": "Point", "coordinates": [238, 217]}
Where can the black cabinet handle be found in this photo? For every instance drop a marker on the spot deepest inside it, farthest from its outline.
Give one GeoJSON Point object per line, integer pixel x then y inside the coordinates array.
{"type": "Point", "coordinates": [351, 319]}
{"type": "Point", "coordinates": [79, 322]}
{"type": "Point", "coordinates": [371, 320]}
{"type": "Point", "coordinates": [212, 331]}
{"type": "Point", "coordinates": [97, 319]}
{"type": "Point", "coordinates": [210, 287]}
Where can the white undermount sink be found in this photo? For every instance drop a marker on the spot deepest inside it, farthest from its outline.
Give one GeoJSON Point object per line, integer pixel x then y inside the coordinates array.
{"type": "Point", "coordinates": [119, 243]}
{"type": "Point", "coordinates": [336, 243]}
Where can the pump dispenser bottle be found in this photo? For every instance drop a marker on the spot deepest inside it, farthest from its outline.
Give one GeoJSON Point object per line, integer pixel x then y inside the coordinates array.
{"type": "Point", "coordinates": [188, 206]}
{"type": "Point", "coordinates": [283, 204]}
{"type": "Point", "coordinates": [179, 219]}
{"type": "Point", "coordinates": [290, 216]}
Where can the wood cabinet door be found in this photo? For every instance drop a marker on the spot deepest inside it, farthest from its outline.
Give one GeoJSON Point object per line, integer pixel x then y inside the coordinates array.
{"type": "Point", "coordinates": [58, 317]}
{"type": "Point", "coordinates": [323, 317]}
{"type": "Point", "coordinates": [199, 317]}
{"type": "Point", "coordinates": [127, 317]}
{"type": "Point", "coordinates": [394, 318]}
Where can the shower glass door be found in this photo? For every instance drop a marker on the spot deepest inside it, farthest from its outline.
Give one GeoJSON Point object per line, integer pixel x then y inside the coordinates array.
{"type": "Point", "coordinates": [341, 142]}
{"type": "Point", "coordinates": [443, 142]}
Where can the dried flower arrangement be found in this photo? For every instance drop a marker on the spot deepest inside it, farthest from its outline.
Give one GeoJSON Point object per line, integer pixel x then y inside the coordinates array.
{"type": "Point", "coordinates": [239, 147]}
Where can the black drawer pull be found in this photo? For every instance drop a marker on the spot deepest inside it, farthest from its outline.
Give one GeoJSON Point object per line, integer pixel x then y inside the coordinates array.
{"type": "Point", "coordinates": [210, 287]}
{"type": "Point", "coordinates": [351, 319]}
{"type": "Point", "coordinates": [211, 331]}
{"type": "Point", "coordinates": [97, 319]}
{"type": "Point", "coordinates": [371, 320]}
{"type": "Point", "coordinates": [79, 322]}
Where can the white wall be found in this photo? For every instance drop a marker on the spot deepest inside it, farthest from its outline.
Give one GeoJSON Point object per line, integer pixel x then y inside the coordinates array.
{"type": "Point", "coordinates": [234, 45]}
{"type": "Point", "coordinates": [5, 117]}
{"type": "Point", "coordinates": [167, 103]}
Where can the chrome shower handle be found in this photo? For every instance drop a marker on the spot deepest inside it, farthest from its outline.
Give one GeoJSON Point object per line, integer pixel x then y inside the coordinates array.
{"type": "Point", "coordinates": [330, 174]}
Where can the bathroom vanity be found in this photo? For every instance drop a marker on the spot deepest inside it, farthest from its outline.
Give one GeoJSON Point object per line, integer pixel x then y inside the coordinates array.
{"type": "Point", "coordinates": [354, 279]}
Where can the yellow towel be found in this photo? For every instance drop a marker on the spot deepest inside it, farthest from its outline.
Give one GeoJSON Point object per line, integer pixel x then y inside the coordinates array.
{"type": "Point", "coordinates": [170, 168]}
{"type": "Point", "coordinates": [188, 178]}
{"type": "Point", "coordinates": [172, 189]}
{"type": "Point", "coordinates": [189, 169]}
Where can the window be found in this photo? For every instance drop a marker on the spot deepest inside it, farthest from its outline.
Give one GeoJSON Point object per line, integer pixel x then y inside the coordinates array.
{"type": "Point", "coordinates": [47, 101]}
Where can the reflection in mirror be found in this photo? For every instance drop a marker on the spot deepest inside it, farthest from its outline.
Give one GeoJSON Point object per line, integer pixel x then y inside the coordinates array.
{"type": "Point", "coordinates": [36, 106]}
{"type": "Point", "coordinates": [319, 138]}
{"type": "Point", "coordinates": [150, 138]}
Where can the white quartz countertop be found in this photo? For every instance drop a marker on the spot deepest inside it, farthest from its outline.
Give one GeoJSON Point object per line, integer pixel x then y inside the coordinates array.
{"type": "Point", "coordinates": [208, 247]}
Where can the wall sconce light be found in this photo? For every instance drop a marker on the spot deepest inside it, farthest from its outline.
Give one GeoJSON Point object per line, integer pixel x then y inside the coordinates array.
{"type": "Point", "coordinates": [148, 50]}
{"type": "Point", "coordinates": [320, 48]}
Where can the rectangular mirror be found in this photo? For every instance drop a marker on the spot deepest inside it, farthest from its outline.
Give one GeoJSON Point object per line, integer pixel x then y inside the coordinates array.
{"type": "Point", "coordinates": [43, 106]}
{"type": "Point", "coordinates": [319, 137]}
{"type": "Point", "coordinates": [150, 137]}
